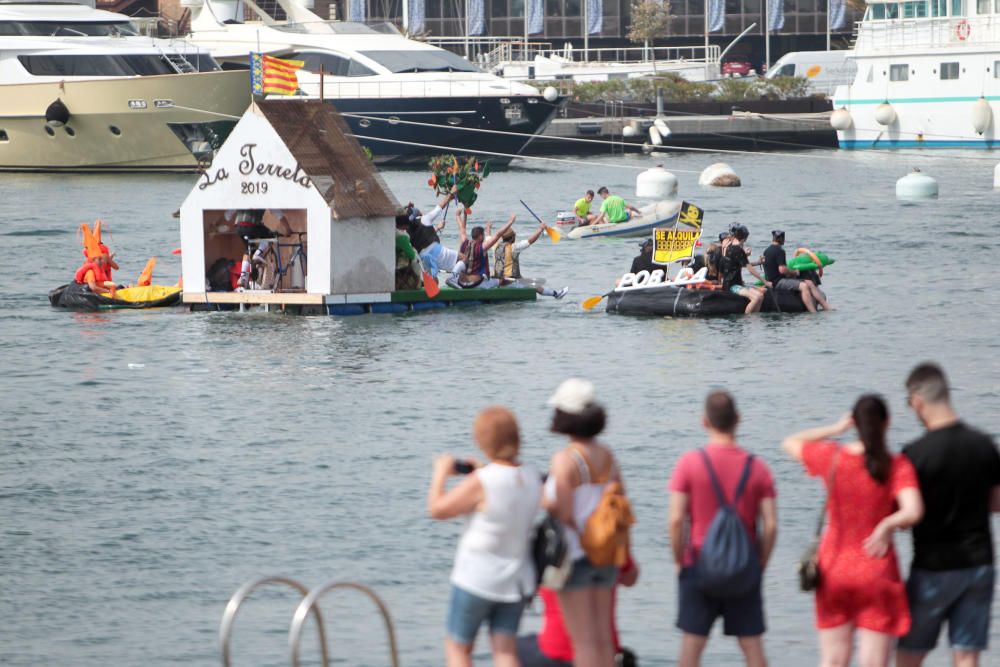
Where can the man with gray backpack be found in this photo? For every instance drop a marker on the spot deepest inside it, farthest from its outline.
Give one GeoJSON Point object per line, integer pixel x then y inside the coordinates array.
{"type": "Point", "coordinates": [717, 495]}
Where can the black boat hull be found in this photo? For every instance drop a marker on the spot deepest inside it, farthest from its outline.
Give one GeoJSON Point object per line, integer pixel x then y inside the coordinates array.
{"type": "Point", "coordinates": [669, 301]}
{"type": "Point", "coordinates": [447, 125]}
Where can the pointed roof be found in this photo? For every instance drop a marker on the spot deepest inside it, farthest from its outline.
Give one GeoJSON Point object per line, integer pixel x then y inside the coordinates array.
{"type": "Point", "coordinates": [319, 140]}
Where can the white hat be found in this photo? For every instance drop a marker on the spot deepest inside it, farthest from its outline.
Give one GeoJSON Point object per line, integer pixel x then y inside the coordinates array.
{"type": "Point", "coordinates": [573, 396]}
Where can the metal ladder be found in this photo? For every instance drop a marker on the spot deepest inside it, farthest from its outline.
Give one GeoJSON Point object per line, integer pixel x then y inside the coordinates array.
{"type": "Point", "coordinates": [179, 63]}
{"type": "Point", "coordinates": [307, 605]}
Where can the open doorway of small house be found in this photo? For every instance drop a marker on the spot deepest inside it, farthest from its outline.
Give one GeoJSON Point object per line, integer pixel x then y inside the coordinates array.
{"type": "Point", "coordinates": [255, 249]}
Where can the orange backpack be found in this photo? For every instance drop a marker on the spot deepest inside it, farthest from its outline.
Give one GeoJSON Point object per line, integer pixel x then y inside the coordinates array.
{"type": "Point", "coordinates": [605, 536]}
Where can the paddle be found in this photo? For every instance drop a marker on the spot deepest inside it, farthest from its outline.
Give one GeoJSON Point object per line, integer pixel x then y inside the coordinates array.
{"type": "Point", "coordinates": [551, 232]}
{"type": "Point", "coordinates": [588, 304]}
{"type": "Point", "coordinates": [431, 287]}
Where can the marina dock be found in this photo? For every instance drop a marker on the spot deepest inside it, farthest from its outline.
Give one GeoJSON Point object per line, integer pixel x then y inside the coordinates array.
{"type": "Point", "coordinates": [737, 130]}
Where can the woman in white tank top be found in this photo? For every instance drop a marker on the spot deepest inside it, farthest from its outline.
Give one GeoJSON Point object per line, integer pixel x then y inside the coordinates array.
{"type": "Point", "coordinates": [493, 575]}
{"type": "Point", "coordinates": [577, 477]}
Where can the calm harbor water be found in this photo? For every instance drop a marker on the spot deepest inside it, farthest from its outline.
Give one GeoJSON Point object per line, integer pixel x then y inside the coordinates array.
{"type": "Point", "coordinates": [152, 462]}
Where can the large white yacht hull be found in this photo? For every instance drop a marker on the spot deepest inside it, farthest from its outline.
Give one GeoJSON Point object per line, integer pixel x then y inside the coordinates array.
{"type": "Point", "coordinates": [119, 124]}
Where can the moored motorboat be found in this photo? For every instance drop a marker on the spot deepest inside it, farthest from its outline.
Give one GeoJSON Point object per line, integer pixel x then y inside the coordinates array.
{"type": "Point", "coordinates": [658, 214]}
{"type": "Point", "coordinates": [75, 296]}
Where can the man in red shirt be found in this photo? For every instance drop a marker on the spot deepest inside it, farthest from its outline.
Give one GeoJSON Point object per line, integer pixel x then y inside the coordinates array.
{"type": "Point", "coordinates": [693, 505]}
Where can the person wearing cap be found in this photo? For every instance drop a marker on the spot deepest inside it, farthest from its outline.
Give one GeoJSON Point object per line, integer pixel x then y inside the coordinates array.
{"type": "Point", "coordinates": [734, 260]}
{"type": "Point", "coordinates": [614, 209]}
{"type": "Point", "coordinates": [577, 477]}
{"type": "Point", "coordinates": [423, 230]}
{"type": "Point", "coordinates": [783, 278]}
{"type": "Point", "coordinates": [644, 260]}
{"type": "Point", "coordinates": [507, 262]}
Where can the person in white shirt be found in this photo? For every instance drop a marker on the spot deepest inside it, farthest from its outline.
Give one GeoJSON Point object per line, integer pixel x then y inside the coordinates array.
{"type": "Point", "coordinates": [507, 263]}
{"type": "Point", "coordinates": [493, 575]}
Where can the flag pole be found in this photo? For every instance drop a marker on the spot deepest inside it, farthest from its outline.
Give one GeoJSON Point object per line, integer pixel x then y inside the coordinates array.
{"type": "Point", "coordinates": [586, 30]}
{"type": "Point", "coordinates": [706, 41]}
{"type": "Point", "coordinates": [767, 34]}
{"type": "Point", "coordinates": [827, 25]}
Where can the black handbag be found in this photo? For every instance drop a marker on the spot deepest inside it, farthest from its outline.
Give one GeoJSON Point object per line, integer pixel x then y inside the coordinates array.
{"type": "Point", "coordinates": [549, 552]}
{"type": "Point", "coordinates": [809, 573]}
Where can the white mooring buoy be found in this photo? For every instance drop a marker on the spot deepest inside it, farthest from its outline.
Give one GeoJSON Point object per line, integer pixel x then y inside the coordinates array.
{"type": "Point", "coordinates": [656, 184]}
{"type": "Point", "coordinates": [719, 175]}
{"type": "Point", "coordinates": [916, 186]}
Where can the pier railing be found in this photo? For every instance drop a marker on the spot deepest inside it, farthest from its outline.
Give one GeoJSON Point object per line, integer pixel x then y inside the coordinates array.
{"type": "Point", "coordinates": [917, 34]}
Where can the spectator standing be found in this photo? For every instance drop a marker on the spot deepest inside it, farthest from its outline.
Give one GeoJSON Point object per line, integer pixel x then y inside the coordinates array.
{"type": "Point", "coordinates": [493, 573]}
{"type": "Point", "coordinates": [577, 479]}
{"type": "Point", "coordinates": [747, 484]}
{"type": "Point", "coordinates": [952, 576]}
{"type": "Point", "coordinates": [870, 494]}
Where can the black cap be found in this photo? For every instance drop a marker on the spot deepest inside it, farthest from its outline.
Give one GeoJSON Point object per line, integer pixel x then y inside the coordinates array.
{"type": "Point", "coordinates": [741, 232]}
{"type": "Point", "coordinates": [777, 234]}
{"type": "Point", "coordinates": [645, 244]}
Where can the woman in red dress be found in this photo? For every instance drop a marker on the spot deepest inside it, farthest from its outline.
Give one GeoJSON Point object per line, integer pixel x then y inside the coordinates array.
{"type": "Point", "coordinates": [870, 494]}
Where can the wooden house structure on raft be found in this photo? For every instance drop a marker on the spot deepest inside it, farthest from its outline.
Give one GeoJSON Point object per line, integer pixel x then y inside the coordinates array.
{"type": "Point", "coordinates": [291, 173]}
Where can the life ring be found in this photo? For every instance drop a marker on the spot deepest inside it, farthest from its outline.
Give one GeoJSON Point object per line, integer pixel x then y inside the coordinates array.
{"type": "Point", "coordinates": [813, 257]}
{"type": "Point", "coordinates": [963, 30]}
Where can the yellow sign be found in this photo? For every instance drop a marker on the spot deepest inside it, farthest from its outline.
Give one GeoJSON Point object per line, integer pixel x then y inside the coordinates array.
{"type": "Point", "coordinates": [670, 245]}
{"type": "Point", "coordinates": [691, 215]}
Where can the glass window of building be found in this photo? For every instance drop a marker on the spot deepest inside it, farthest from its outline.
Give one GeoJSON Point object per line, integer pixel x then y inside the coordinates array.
{"type": "Point", "coordinates": [949, 71]}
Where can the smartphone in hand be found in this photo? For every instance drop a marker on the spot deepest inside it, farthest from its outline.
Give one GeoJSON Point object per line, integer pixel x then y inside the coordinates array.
{"type": "Point", "coordinates": [463, 467]}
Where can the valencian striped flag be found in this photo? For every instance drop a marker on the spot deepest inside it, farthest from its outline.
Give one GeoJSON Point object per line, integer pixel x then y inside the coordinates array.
{"type": "Point", "coordinates": [273, 76]}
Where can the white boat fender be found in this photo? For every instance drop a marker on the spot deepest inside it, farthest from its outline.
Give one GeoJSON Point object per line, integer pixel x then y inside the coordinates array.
{"type": "Point", "coordinates": [982, 116]}
{"type": "Point", "coordinates": [550, 94]}
{"type": "Point", "coordinates": [841, 119]}
{"type": "Point", "coordinates": [719, 175]}
{"type": "Point", "coordinates": [654, 136]}
{"type": "Point", "coordinates": [661, 127]}
{"type": "Point", "coordinates": [628, 131]}
{"type": "Point", "coordinates": [885, 114]}
{"type": "Point", "coordinates": [915, 186]}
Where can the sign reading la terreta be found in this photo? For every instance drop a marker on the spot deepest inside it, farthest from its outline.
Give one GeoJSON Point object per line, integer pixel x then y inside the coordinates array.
{"type": "Point", "coordinates": [249, 166]}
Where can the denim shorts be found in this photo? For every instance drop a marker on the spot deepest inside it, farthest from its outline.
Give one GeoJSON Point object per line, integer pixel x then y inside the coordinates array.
{"type": "Point", "coordinates": [466, 612]}
{"type": "Point", "coordinates": [696, 612]}
{"type": "Point", "coordinates": [585, 575]}
{"type": "Point", "coordinates": [960, 597]}
{"type": "Point", "coordinates": [737, 289]}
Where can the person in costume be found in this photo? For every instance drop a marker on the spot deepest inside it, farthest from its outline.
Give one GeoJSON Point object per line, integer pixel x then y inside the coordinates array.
{"type": "Point", "coordinates": [93, 273]}
{"type": "Point", "coordinates": [507, 262]}
{"type": "Point", "coordinates": [784, 278]}
{"type": "Point", "coordinates": [614, 209]}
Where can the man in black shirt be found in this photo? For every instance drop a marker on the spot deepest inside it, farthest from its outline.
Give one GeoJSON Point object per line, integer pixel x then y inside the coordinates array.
{"type": "Point", "coordinates": [783, 278]}
{"type": "Point", "coordinates": [951, 579]}
{"type": "Point", "coordinates": [734, 258]}
{"type": "Point", "coordinates": [644, 260]}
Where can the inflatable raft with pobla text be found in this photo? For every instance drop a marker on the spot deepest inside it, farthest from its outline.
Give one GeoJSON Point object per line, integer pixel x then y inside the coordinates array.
{"type": "Point", "coordinates": [689, 295]}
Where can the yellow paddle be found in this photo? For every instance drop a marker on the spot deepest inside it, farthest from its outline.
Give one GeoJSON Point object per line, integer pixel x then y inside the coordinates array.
{"type": "Point", "coordinates": [588, 304]}
{"type": "Point", "coordinates": [551, 232]}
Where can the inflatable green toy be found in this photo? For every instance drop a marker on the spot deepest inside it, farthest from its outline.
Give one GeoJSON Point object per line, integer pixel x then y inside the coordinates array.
{"type": "Point", "coordinates": [806, 260]}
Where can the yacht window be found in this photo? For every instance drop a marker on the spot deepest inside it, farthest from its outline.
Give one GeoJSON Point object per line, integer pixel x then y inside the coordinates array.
{"type": "Point", "coordinates": [332, 64]}
{"type": "Point", "coordinates": [892, 11]}
{"type": "Point", "coordinates": [357, 69]}
{"type": "Point", "coordinates": [983, 7]}
{"type": "Point", "coordinates": [66, 29]}
{"type": "Point", "coordinates": [899, 72]}
{"type": "Point", "coordinates": [918, 10]}
{"type": "Point", "coordinates": [940, 7]}
{"type": "Point", "coordinates": [949, 70]}
{"type": "Point", "coordinates": [96, 65]}
{"type": "Point", "coordinates": [786, 70]}
{"type": "Point", "coordinates": [877, 12]}
{"type": "Point", "coordinates": [437, 60]}
{"type": "Point", "coordinates": [996, 6]}
{"type": "Point", "coordinates": [996, 69]}
{"type": "Point", "coordinates": [3, 135]}
{"type": "Point", "coordinates": [871, 74]}
{"type": "Point", "coordinates": [958, 7]}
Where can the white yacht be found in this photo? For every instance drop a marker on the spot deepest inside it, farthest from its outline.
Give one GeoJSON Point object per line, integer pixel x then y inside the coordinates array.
{"type": "Point", "coordinates": [928, 76]}
{"type": "Point", "coordinates": [405, 100]}
{"type": "Point", "coordinates": [80, 90]}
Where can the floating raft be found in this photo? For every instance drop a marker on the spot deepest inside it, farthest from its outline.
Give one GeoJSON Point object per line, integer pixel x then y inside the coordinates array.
{"type": "Point", "coordinates": [357, 304]}
{"type": "Point", "coordinates": [670, 301]}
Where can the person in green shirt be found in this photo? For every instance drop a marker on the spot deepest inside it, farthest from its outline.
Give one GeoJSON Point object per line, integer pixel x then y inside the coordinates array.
{"type": "Point", "coordinates": [614, 209]}
{"type": "Point", "coordinates": [582, 209]}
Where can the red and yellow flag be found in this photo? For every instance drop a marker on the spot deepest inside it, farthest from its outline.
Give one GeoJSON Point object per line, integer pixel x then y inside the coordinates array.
{"type": "Point", "coordinates": [273, 76]}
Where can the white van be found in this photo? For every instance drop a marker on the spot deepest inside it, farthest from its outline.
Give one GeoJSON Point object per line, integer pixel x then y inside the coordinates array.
{"type": "Point", "coordinates": [825, 69]}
